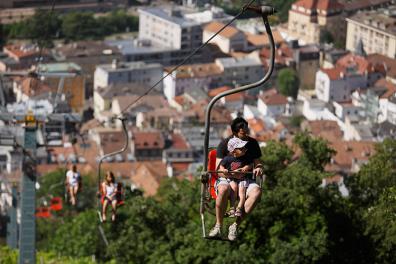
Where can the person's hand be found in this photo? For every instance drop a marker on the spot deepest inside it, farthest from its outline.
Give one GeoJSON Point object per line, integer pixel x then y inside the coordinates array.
{"type": "Point", "coordinates": [244, 169]}
{"type": "Point", "coordinates": [258, 171]}
{"type": "Point", "coordinates": [224, 171]}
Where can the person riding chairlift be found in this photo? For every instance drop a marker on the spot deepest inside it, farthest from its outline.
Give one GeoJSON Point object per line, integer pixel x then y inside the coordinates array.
{"type": "Point", "coordinates": [111, 195]}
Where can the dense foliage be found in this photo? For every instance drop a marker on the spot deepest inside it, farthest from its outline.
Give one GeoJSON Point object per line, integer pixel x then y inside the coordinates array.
{"type": "Point", "coordinates": [288, 82]}
{"type": "Point", "coordinates": [296, 221]}
{"type": "Point", "coordinates": [44, 26]}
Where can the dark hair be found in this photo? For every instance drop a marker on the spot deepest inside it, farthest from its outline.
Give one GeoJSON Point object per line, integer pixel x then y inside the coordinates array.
{"type": "Point", "coordinates": [111, 176]}
{"type": "Point", "coordinates": [237, 124]}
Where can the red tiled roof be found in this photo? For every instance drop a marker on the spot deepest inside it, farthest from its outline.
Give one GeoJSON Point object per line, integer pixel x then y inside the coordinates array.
{"type": "Point", "coordinates": [273, 97]}
{"type": "Point", "coordinates": [178, 142]}
{"type": "Point", "coordinates": [216, 91]}
{"type": "Point", "coordinates": [148, 140]}
{"type": "Point", "coordinates": [262, 39]}
{"type": "Point", "coordinates": [349, 150]}
{"type": "Point", "coordinates": [319, 4]}
{"type": "Point", "coordinates": [228, 32]}
{"type": "Point", "coordinates": [333, 73]}
{"type": "Point", "coordinates": [358, 63]}
{"type": "Point", "coordinates": [387, 63]}
{"type": "Point", "coordinates": [256, 126]}
{"type": "Point", "coordinates": [326, 129]}
{"type": "Point", "coordinates": [391, 88]}
{"type": "Point", "coordinates": [148, 176]}
{"type": "Point", "coordinates": [19, 52]}
{"type": "Point", "coordinates": [329, 5]}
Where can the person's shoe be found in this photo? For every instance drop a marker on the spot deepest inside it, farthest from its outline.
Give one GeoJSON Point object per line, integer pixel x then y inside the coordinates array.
{"type": "Point", "coordinates": [113, 217]}
{"type": "Point", "coordinates": [216, 231]}
{"type": "Point", "coordinates": [238, 212]}
{"type": "Point", "coordinates": [233, 232]}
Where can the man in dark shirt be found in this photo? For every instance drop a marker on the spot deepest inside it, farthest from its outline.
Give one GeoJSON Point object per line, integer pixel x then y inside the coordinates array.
{"type": "Point", "coordinates": [239, 128]}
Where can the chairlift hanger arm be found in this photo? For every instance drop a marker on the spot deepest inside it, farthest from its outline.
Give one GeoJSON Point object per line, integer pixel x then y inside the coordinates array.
{"type": "Point", "coordinates": [267, 11]}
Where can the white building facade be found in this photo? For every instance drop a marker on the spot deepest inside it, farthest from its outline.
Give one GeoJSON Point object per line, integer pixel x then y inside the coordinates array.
{"type": "Point", "coordinates": [131, 72]}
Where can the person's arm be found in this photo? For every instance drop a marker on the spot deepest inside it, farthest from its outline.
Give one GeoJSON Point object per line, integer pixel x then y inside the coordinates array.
{"type": "Point", "coordinates": [104, 189]}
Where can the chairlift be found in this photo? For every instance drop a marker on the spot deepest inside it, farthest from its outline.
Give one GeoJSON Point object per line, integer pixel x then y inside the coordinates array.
{"type": "Point", "coordinates": [56, 204]}
{"type": "Point", "coordinates": [43, 212]}
{"type": "Point", "coordinates": [209, 176]}
{"type": "Point", "coordinates": [119, 185]}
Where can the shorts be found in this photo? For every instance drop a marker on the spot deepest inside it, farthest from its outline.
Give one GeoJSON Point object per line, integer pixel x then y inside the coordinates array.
{"type": "Point", "coordinates": [249, 184]}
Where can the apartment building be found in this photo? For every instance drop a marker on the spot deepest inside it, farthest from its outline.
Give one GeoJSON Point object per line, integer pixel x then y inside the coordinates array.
{"type": "Point", "coordinates": [375, 29]}
{"type": "Point", "coordinates": [309, 19]}
{"type": "Point", "coordinates": [167, 27]}
{"type": "Point", "coordinates": [128, 72]}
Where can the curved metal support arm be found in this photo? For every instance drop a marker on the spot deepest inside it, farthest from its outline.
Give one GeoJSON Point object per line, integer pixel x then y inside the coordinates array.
{"type": "Point", "coordinates": [239, 89]}
{"type": "Point", "coordinates": [115, 152]}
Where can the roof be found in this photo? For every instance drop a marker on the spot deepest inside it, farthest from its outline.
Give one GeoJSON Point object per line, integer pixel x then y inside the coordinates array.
{"type": "Point", "coordinates": [388, 63]}
{"type": "Point", "coordinates": [148, 176]}
{"type": "Point", "coordinates": [333, 73]}
{"type": "Point", "coordinates": [60, 67]}
{"type": "Point", "coordinates": [148, 140]}
{"type": "Point", "coordinates": [123, 89]}
{"type": "Point", "coordinates": [326, 129]}
{"type": "Point", "coordinates": [111, 141]}
{"type": "Point", "coordinates": [196, 70]}
{"type": "Point", "coordinates": [86, 49]}
{"type": "Point", "coordinates": [273, 97]}
{"type": "Point", "coordinates": [262, 39]}
{"type": "Point", "coordinates": [22, 51]}
{"type": "Point", "coordinates": [219, 115]}
{"type": "Point", "coordinates": [216, 91]}
{"type": "Point", "coordinates": [375, 19]}
{"type": "Point", "coordinates": [33, 87]}
{"type": "Point", "coordinates": [153, 101]}
{"type": "Point", "coordinates": [364, 4]}
{"type": "Point", "coordinates": [390, 88]}
{"type": "Point", "coordinates": [349, 150]}
{"type": "Point", "coordinates": [256, 125]}
{"type": "Point", "coordinates": [178, 142]}
{"type": "Point", "coordinates": [323, 5]}
{"type": "Point", "coordinates": [170, 14]}
{"type": "Point", "coordinates": [355, 63]}
{"type": "Point", "coordinates": [129, 66]}
{"type": "Point", "coordinates": [228, 32]}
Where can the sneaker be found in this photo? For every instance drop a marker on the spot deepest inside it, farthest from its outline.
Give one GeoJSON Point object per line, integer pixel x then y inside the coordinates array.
{"type": "Point", "coordinates": [238, 212]}
{"type": "Point", "coordinates": [233, 232]}
{"type": "Point", "coordinates": [215, 232]}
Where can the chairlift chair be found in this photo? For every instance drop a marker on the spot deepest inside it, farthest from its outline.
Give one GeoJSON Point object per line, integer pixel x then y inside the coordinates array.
{"type": "Point", "coordinates": [209, 176]}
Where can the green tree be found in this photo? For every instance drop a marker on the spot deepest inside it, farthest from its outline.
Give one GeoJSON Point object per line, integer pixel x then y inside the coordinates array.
{"type": "Point", "coordinates": [288, 82]}
{"type": "Point", "coordinates": [326, 37]}
{"type": "Point", "coordinates": [78, 26]}
{"type": "Point", "coordinates": [377, 175]}
{"type": "Point", "coordinates": [316, 152]}
{"type": "Point", "coordinates": [381, 226]}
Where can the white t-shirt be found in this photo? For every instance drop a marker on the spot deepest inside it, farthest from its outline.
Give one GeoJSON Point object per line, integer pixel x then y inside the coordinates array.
{"type": "Point", "coordinates": [72, 177]}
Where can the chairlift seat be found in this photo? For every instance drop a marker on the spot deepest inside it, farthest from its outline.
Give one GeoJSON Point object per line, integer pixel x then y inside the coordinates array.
{"type": "Point", "coordinates": [56, 204]}
{"type": "Point", "coordinates": [43, 212]}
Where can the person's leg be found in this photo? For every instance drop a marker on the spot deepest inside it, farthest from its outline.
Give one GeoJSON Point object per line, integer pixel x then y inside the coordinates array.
{"type": "Point", "coordinates": [104, 207]}
{"type": "Point", "coordinates": [75, 191]}
{"type": "Point", "coordinates": [72, 197]}
{"type": "Point", "coordinates": [221, 202]}
{"type": "Point", "coordinates": [253, 195]}
{"type": "Point", "coordinates": [114, 209]}
{"type": "Point", "coordinates": [242, 199]}
{"type": "Point", "coordinates": [233, 194]}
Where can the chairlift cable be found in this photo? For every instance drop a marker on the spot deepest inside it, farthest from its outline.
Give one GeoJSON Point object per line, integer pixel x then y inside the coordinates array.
{"type": "Point", "coordinates": [244, 8]}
